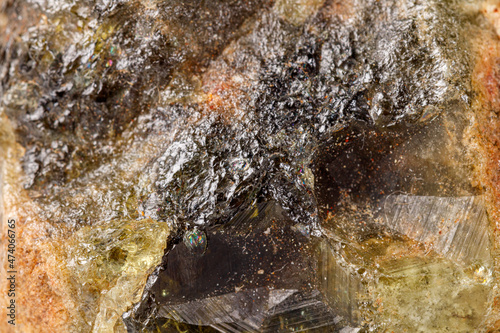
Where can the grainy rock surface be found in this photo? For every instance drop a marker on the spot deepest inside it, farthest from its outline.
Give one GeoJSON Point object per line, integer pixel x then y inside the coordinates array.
{"type": "Point", "coordinates": [138, 134]}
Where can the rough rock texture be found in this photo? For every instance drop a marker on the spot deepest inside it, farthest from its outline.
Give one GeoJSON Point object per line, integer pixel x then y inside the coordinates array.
{"type": "Point", "coordinates": [486, 79]}
{"type": "Point", "coordinates": [130, 128]}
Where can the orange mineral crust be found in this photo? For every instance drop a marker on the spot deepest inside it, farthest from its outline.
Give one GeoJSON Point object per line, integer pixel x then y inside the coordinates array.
{"type": "Point", "coordinates": [486, 105]}
{"type": "Point", "coordinates": [43, 302]}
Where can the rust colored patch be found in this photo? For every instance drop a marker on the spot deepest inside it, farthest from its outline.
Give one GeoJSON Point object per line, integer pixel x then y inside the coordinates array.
{"type": "Point", "coordinates": [225, 91]}
{"type": "Point", "coordinates": [486, 82]}
{"type": "Point", "coordinates": [344, 10]}
{"type": "Point", "coordinates": [43, 302]}
{"type": "Point", "coordinates": [42, 299]}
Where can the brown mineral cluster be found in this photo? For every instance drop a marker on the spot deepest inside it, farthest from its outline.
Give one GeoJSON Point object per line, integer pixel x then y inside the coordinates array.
{"type": "Point", "coordinates": [250, 166]}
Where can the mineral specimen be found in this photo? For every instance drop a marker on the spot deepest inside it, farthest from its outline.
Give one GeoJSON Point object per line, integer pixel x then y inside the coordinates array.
{"type": "Point", "coordinates": [243, 166]}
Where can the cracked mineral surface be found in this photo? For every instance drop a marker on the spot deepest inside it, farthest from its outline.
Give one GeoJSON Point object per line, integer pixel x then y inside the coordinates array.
{"type": "Point", "coordinates": [250, 166]}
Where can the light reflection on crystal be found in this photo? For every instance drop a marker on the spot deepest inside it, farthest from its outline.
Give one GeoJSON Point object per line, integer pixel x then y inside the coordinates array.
{"type": "Point", "coordinates": [195, 241]}
{"type": "Point", "coordinates": [455, 227]}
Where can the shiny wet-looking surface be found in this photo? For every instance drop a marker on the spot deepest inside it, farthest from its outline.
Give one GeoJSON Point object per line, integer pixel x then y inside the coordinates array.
{"type": "Point", "coordinates": [248, 166]}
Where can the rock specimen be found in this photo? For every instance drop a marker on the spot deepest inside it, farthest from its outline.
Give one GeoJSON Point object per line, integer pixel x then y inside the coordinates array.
{"type": "Point", "coordinates": [241, 166]}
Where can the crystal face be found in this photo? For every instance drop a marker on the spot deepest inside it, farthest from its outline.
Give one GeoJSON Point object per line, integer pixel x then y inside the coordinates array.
{"type": "Point", "coordinates": [251, 166]}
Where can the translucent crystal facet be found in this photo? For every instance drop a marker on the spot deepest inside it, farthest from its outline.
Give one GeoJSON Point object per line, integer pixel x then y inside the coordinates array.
{"type": "Point", "coordinates": [456, 227]}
